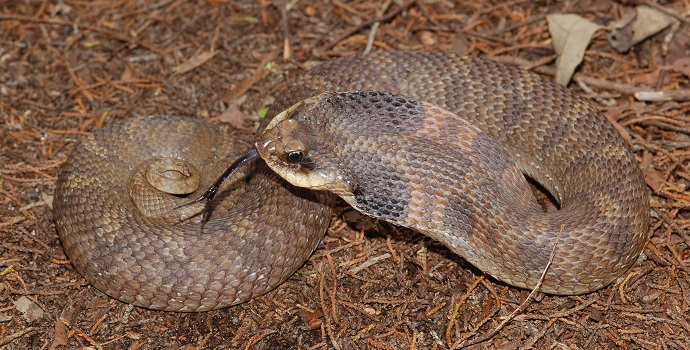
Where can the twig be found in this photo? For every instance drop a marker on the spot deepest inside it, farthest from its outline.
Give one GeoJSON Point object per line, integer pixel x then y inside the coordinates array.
{"type": "Point", "coordinates": [370, 262]}
{"type": "Point", "coordinates": [518, 25]}
{"type": "Point", "coordinates": [149, 8]}
{"type": "Point", "coordinates": [114, 35]}
{"type": "Point", "coordinates": [365, 24]}
{"type": "Point", "coordinates": [374, 28]}
{"type": "Point", "coordinates": [524, 304]}
{"type": "Point", "coordinates": [255, 77]}
{"type": "Point", "coordinates": [253, 340]}
{"type": "Point", "coordinates": [671, 95]}
{"type": "Point", "coordinates": [333, 292]}
{"type": "Point", "coordinates": [425, 12]}
{"type": "Point", "coordinates": [456, 308]}
{"type": "Point", "coordinates": [604, 84]}
{"type": "Point", "coordinates": [285, 26]}
{"type": "Point", "coordinates": [638, 92]}
{"type": "Point", "coordinates": [9, 338]}
{"type": "Point", "coordinates": [327, 318]}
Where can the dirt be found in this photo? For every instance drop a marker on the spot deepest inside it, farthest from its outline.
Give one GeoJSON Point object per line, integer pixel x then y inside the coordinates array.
{"type": "Point", "coordinates": [68, 67]}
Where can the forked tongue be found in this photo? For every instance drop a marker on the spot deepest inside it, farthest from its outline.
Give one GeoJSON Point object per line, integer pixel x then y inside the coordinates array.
{"type": "Point", "coordinates": [211, 192]}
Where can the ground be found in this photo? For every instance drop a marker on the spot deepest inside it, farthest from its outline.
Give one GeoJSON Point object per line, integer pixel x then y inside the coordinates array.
{"type": "Point", "coordinates": [67, 67]}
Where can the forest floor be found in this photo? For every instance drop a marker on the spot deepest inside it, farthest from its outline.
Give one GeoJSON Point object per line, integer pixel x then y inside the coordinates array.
{"type": "Point", "coordinates": [68, 67]}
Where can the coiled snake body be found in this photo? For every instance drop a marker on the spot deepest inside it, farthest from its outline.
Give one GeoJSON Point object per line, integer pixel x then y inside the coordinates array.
{"type": "Point", "coordinates": [456, 177]}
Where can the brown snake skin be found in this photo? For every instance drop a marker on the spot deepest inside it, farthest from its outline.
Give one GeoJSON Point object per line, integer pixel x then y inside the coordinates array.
{"type": "Point", "coordinates": [458, 180]}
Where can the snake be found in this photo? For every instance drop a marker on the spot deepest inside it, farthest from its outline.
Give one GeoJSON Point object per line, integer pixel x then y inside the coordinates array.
{"type": "Point", "coordinates": [443, 144]}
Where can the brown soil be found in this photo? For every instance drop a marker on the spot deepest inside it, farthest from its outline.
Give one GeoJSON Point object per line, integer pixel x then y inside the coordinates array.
{"type": "Point", "coordinates": [67, 67]}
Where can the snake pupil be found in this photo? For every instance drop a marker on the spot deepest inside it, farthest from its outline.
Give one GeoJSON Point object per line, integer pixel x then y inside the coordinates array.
{"type": "Point", "coordinates": [295, 157]}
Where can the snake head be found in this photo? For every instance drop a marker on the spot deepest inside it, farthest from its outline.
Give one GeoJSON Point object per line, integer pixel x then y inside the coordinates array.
{"type": "Point", "coordinates": [298, 152]}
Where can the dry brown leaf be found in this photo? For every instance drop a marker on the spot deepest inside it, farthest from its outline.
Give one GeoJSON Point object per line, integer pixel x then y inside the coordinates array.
{"type": "Point", "coordinates": [649, 22]}
{"type": "Point", "coordinates": [195, 61]}
{"type": "Point", "coordinates": [636, 27]}
{"type": "Point", "coordinates": [682, 65]}
{"type": "Point", "coordinates": [234, 116]}
{"type": "Point", "coordinates": [29, 309]}
{"type": "Point", "coordinates": [571, 35]}
{"type": "Point", "coordinates": [127, 74]}
{"type": "Point", "coordinates": [652, 177]}
{"type": "Point", "coordinates": [60, 336]}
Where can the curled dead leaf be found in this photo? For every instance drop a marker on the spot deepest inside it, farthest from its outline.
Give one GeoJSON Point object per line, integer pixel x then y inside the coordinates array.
{"type": "Point", "coordinates": [195, 61]}
{"type": "Point", "coordinates": [571, 35]}
{"type": "Point", "coordinates": [682, 65]}
{"type": "Point", "coordinates": [234, 116]}
{"type": "Point", "coordinates": [635, 28]}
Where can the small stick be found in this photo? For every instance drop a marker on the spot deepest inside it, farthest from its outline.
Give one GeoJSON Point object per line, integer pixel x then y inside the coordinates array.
{"type": "Point", "coordinates": [524, 304]}
{"type": "Point", "coordinates": [365, 24]}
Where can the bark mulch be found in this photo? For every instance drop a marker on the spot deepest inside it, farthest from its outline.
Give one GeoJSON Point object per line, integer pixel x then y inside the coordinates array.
{"type": "Point", "coordinates": [68, 67]}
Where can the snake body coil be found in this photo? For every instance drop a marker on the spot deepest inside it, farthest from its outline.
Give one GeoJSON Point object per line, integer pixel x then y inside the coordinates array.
{"type": "Point", "coordinates": [453, 173]}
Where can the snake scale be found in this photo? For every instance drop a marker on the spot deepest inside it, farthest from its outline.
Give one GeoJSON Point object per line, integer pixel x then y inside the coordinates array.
{"type": "Point", "coordinates": [428, 140]}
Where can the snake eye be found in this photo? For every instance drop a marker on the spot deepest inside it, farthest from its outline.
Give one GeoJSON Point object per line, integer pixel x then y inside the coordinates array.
{"type": "Point", "coordinates": [295, 157]}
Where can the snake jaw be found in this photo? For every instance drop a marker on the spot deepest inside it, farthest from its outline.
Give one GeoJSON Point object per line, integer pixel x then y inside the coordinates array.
{"type": "Point", "coordinates": [312, 166]}
{"type": "Point", "coordinates": [274, 146]}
